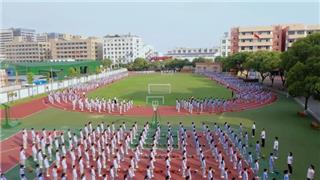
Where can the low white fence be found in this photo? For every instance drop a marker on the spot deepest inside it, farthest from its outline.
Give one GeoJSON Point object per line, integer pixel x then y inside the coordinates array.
{"type": "Point", "coordinates": [142, 72]}
{"type": "Point", "coordinates": [40, 89]}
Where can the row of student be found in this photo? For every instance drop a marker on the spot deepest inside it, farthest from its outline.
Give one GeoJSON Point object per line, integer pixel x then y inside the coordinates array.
{"type": "Point", "coordinates": [106, 141]}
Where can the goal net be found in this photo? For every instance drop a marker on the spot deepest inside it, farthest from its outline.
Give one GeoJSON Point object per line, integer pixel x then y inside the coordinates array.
{"type": "Point", "coordinates": [155, 100]}
{"type": "Point", "coordinates": [159, 89]}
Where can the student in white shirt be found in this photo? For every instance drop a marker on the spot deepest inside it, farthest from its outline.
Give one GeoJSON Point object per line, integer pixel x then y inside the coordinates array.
{"type": "Point", "coordinates": [253, 129]}
{"type": "Point", "coordinates": [310, 173]}
{"type": "Point", "coordinates": [2, 177]}
{"type": "Point", "coordinates": [46, 165]}
{"type": "Point", "coordinates": [263, 137]}
{"type": "Point", "coordinates": [21, 171]}
{"type": "Point", "coordinates": [290, 161]}
{"type": "Point", "coordinates": [276, 147]}
{"type": "Point", "coordinates": [64, 164]}
{"type": "Point", "coordinates": [92, 173]}
{"type": "Point", "coordinates": [74, 173]}
{"type": "Point", "coordinates": [55, 172]}
{"type": "Point", "coordinates": [22, 156]}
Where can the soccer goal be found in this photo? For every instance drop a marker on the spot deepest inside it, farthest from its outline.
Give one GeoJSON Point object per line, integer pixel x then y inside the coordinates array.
{"type": "Point", "coordinates": [159, 88]}
{"type": "Point", "coordinates": [155, 100]}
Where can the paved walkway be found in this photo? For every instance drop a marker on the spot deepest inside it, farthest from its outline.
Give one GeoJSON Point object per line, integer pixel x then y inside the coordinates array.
{"type": "Point", "coordinates": [313, 105]}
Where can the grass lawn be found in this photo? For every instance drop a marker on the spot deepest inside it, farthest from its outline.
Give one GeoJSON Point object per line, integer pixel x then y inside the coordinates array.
{"type": "Point", "coordinates": [183, 85]}
{"type": "Point", "coordinates": [279, 119]}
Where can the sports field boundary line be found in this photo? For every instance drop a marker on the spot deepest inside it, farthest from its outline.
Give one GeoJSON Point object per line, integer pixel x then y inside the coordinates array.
{"type": "Point", "coordinates": [10, 136]}
{"type": "Point", "coordinates": [33, 113]}
{"type": "Point", "coordinates": [11, 149]}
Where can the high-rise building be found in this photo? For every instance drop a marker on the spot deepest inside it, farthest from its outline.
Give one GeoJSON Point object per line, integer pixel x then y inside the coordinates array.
{"type": "Point", "coordinates": [20, 50]}
{"type": "Point", "coordinates": [76, 48]}
{"type": "Point", "coordinates": [224, 48]}
{"type": "Point", "coordinates": [123, 49]}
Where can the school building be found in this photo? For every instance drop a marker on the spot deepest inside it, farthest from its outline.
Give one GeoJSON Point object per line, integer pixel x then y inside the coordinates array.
{"type": "Point", "coordinates": [270, 38]}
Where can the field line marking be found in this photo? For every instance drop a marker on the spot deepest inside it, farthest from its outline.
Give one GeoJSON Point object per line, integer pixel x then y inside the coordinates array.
{"type": "Point", "coordinates": [8, 150]}
{"type": "Point", "coordinates": [10, 136]}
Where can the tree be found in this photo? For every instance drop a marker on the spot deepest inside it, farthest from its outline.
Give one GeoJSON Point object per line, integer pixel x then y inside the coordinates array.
{"type": "Point", "coordinates": [140, 64]}
{"type": "Point", "coordinates": [200, 60]}
{"type": "Point", "coordinates": [106, 63]}
{"type": "Point", "coordinates": [73, 72]}
{"type": "Point", "coordinates": [30, 77]}
{"type": "Point", "coordinates": [264, 62]}
{"type": "Point", "coordinates": [304, 80]}
{"type": "Point", "coordinates": [219, 59]}
{"type": "Point", "coordinates": [300, 51]}
{"type": "Point", "coordinates": [177, 64]}
{"type": "Point", "coordinates": [235, 61]}
{"type": "Point", "coordinates": [98, 70]}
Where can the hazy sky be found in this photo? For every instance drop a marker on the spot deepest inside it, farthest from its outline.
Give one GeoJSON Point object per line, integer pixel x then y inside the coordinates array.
{"type": "Point", "coordinates": [164, 25]}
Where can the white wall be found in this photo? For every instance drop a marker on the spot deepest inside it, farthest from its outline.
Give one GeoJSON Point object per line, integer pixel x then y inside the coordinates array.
{"type": "Point", "coordinates": [40, 89]}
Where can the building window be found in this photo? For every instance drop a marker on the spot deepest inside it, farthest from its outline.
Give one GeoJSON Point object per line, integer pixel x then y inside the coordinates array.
{"type": "Point", "coordinates": [300, 32]}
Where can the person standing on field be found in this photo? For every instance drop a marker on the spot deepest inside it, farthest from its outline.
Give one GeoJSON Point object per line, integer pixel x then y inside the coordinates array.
{"type": "Point", "coordinates": [310, 173]}
{"type": "Point", "coordinates": [263, 137]}
{"type": "Point", "coordinates": [276, 147]}
{"type": "Point", "coordinates": [290, 161]}
{"type": "Point", "coordinates": [253, 129]}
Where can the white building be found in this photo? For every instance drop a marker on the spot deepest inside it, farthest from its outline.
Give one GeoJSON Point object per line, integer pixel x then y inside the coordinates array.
{"type": "Point", "coordinates": [191, 53]}
{"type": "Point", "coordinates": [224, 48]}
{"type": "Point", "coordinates": [123, 49]}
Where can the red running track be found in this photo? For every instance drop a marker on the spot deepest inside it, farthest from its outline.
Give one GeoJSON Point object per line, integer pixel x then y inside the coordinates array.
{"type": "Point", "coordinates": [10, 151]}
{"type": "Point", "coordinates": [26, 109]}
{"type": "Point", "coordinates": [166, 110]}
{"type": "Point", "coordinates": [160, 167]}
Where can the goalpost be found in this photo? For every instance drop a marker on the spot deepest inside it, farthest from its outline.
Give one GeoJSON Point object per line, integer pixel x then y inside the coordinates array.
{"type": "Point", "coordinates": [159, 89]}
{"type": "Point", "coordinates": [155, 100]}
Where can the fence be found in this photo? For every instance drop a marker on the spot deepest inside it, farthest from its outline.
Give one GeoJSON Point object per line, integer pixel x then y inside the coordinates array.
{"type": "Point", "coordinates": [40, 89]}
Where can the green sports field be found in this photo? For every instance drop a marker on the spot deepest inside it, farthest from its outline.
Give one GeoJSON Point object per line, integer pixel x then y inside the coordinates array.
{"type": "Point", "coordinates": [279, 119]}
{"type": "Point", "coordinates": [183, 85]}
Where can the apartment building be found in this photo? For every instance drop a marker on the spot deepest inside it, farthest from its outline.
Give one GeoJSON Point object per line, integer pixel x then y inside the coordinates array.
{"type": "Point", "coordinates": [26, 34]}
{"type": "Point", "coordinates": [7, 35]}
{"type": "Point", "coordinates": [123, 49]}
{"type": "Point", "coordinates": [43, 37]}
{"type": "Point", "coordinates": [248, 39]}
{"type": "Point", "coordinates": [191, 53]}
{"type": "Point", "coordinates": [224, 45]}
{"type": "Point", "coordinates": [20, 50]}
{"type": "Point", "coordinates": [76, 47]}
{"type": "Point", "coordinates": [271, 38]}
{"type": "Point", "coordinates": [297, 31]}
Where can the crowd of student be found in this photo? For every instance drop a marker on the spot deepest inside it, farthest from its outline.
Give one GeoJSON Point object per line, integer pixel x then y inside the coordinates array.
{"type": "Point", "coordinates": [76, 96]}
{"type": "Point", "coordinates": [96, 149]}
{"type": "Point", "coordinates": [243, 93]}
